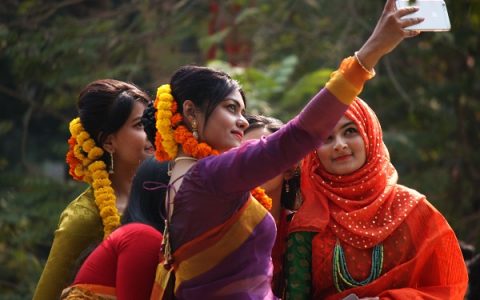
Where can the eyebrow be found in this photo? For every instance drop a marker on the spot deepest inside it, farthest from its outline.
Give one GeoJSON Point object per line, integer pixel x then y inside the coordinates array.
{"type": "Point", "coordinates": [347, 124]}
{"type": "Point", "coordinates": [137, 119]}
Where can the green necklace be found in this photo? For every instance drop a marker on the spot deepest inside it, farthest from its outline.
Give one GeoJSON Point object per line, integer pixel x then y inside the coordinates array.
{"type": "Point", "coordinates": [342, 278]}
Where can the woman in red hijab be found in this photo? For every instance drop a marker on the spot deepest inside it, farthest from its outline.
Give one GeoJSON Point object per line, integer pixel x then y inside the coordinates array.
{"type": "Point", "coordinates": [359, 234]}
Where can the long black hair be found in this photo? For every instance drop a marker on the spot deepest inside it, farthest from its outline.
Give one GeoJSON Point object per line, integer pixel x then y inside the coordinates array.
{"type": "Point", "coordinates": [147, 195]}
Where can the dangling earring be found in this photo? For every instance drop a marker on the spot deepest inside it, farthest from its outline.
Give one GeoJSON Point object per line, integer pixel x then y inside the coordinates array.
{"type": "Point", "coordinates": [287, 187]}
{"type": "Point", "coordinates": [194, 129]}
{"type": "Point", "coordinates": [110, 168]}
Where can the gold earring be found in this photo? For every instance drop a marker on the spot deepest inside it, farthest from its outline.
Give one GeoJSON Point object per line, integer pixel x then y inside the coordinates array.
{"type": "Point", "coordinates": [110, 168]}
{"type": "Point", "coordinates": [194, 129]}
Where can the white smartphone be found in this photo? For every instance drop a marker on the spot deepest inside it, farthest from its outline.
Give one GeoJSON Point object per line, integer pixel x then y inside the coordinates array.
{"type": "Point", "coordinates": [434, 12]}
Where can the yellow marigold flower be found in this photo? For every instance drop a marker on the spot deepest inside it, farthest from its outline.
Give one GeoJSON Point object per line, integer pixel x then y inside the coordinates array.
{"type": "Point", "coordinates": [108, 211]}
{"type": "Point", "coordinates": [99, 175]}
{"type": "Point", "coordinates": [97, 165]}
{"type": "Point", "coordinates": [86, 162]}
{"type": "Point", "coordinates": [98, 183]}
{"type": "Point", "coordinates": [165, 97]}
{"type": "Point", "coordinates": [95, 153]}
{"type": "Point", "coordinates": [82, 137]}
{"type": "Point", "coordinates": [75, 127]}
{"type": "Point", "coordinates": [164, 105]}
{"type": "Point", "coordinates": [165, 88]}
{"type": "Point", "coordinates": [77, 151]}
{"type": "Point", "coordinates": [104, 191]}
{"type": "Point", "coordinates": [163, 114]}
{"type": "Point", "coordinates": [88, 145]}
{"type": "Point", "coordinates": [113, 221]}
{"type": "Point", "coordinates": [79, 171]}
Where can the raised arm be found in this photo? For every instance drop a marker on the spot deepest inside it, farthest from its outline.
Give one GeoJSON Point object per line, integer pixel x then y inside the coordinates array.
{"type": "Point", "coordinates": [257, 161]}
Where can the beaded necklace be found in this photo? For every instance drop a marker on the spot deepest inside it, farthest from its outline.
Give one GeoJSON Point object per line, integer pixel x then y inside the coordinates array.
{"type": "Point", "coordinates": [342, 278]}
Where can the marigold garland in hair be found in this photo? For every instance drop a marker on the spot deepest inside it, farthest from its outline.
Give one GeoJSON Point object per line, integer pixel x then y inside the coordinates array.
{"type": "Point", "coordinates": [170, 134]}
{"type": "Point", "coordinates": [166, 147]}
{"type": "Point", "coordinates": [83, 158]}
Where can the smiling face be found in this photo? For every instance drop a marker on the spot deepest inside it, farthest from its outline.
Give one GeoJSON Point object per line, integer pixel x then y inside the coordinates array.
{"type": "Point", "coordinates": [343, 152]}
{"type": "Point", "coordinates": [225, 127]}
{"type": "Point", "coordinates": [130, 143]}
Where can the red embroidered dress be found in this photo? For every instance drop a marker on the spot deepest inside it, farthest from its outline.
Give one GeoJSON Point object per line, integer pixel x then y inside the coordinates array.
{"type": "Point", "coordinates": [421, 255]}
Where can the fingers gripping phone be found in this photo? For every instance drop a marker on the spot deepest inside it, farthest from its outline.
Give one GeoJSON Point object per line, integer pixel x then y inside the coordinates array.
{"type": "Point", "coordinates": [434, 12]}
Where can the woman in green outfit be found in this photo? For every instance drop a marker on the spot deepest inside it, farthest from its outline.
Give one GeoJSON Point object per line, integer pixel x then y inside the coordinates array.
{"type": "Point", "coordinates": [107, 144]}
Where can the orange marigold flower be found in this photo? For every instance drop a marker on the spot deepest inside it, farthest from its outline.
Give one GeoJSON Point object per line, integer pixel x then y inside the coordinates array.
{"type": "Point", "coordinates": [174, 107]}
{"type": "Point", "coordinates": [176, 119]}
{"type": "Point", "coordinates": [260, 195]}
{"type": "Point", "coordinates": [190, 146]}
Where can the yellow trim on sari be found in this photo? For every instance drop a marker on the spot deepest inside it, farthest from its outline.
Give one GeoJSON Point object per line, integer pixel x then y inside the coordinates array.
{"type": "Point", "coordinates": [89, 292]}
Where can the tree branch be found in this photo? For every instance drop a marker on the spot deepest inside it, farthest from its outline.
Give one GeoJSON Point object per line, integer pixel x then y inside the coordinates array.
{"type": "Point", "coordinates": [15, 95]}
{"type": "Point", "coordinates": [391, 75]}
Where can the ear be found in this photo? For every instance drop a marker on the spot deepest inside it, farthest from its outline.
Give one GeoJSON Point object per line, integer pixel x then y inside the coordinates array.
{"type": "Point", "coordinates": [189, 110]}
{"type": "Point", "coordinates": [109, 144]}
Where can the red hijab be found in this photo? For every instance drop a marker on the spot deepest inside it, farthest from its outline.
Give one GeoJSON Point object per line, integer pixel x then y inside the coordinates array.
{"type": "Point", "coordinates": [364, 207]}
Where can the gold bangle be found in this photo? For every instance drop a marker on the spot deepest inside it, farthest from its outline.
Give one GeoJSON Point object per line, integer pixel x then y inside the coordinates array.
{"type": "Point", "coordinates": [371, 72]}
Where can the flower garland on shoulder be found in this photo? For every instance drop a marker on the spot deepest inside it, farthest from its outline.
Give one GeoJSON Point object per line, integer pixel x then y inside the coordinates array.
{"type": "Point", "coordinates": [83, 158]}
{"type": "Point", "coordinates": [170, 134]}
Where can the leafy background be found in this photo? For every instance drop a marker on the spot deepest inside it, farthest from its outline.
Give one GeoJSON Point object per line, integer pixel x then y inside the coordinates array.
{"type": "Point", "coordinates": [426, 93]}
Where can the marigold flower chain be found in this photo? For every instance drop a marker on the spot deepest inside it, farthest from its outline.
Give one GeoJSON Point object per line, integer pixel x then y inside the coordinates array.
{"type": "Point", "coordinates": [170, 133]}
{"type": "Point", "coordinates": [259, 194]}
{"type": "Point", "coordinates": [83, 158]}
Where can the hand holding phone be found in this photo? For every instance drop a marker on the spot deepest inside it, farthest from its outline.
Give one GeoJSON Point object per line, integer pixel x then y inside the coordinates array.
{"type": "Point", "coordinates": [434, 13]}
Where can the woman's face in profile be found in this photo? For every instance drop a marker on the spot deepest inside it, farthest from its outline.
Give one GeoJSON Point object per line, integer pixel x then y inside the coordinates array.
{"type": "Point", "coordinates": [343, 152]}
{"type": "Point", "coordinates": [226, 125]}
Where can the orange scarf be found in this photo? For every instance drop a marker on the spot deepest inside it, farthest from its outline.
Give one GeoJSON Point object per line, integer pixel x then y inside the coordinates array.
{"type": "Point", "coordinates": [362, 208]}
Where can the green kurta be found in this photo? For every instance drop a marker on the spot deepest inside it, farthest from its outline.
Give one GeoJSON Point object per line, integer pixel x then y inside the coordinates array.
{"type": "Point", "coordinates": [80, 226]}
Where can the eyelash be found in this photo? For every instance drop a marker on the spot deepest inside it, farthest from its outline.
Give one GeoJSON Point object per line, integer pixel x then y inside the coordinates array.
{"type": "Point", "coordinates": [351, 130]}
{"type": "Point", "coordinates": [232, 107]}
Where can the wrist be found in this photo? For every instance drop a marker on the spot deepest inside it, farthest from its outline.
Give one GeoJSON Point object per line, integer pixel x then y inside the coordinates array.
{"type": "Point", "coordinates": [366, 67]}
{"type": "Point", "coordinates": [369, 55]}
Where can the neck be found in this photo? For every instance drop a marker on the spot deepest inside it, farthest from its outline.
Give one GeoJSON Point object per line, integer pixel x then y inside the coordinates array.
{"type": "Point", "coordinates": [121, 184]}
{"type": "Point", "coordinates": [185, 158]}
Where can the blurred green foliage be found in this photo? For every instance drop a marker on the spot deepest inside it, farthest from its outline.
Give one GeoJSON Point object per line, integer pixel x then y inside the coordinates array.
{"type": "Point", "coordinates": [426, 93]}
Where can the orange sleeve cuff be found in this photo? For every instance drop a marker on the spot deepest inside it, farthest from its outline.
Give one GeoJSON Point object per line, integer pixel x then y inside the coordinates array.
{"type": "Point", "coordinates": [347, 82]}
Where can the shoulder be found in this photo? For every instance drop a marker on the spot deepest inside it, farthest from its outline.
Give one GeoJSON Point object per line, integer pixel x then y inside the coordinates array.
{"type": "Point", "coordinates": [425, 216]}
{"type": "Point", "coordinates": [137, 231]}
{"type": "Point", "coordinates": [84, 202]}
{"type": "Point", "coordinates": [423, 206]}
{"type": "Point", "coordinates": [135, 234]}
{"type": "Point", "coordinates": [81, 215]}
